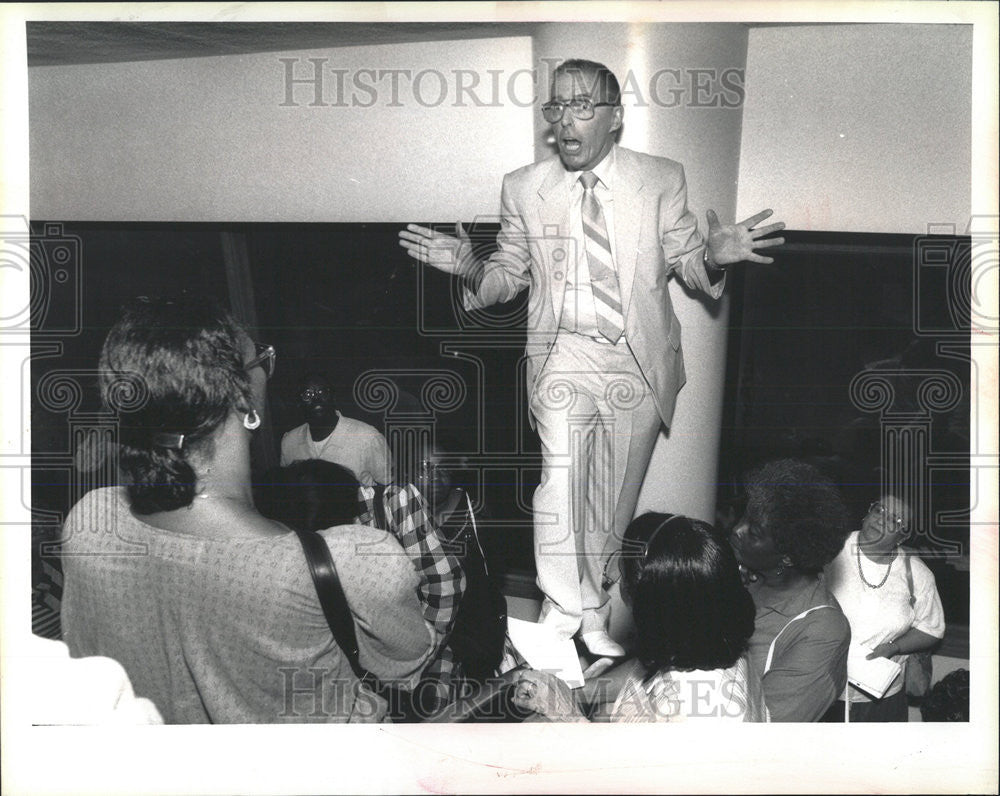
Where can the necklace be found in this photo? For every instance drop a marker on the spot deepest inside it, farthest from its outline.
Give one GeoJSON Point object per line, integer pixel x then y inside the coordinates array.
{"type": "Point", "coordinates": [885, 577]}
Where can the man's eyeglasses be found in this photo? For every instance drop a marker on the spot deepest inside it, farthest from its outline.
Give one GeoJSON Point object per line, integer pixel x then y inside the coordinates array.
{"type": "Point", "coordinates": [879, 508]}
{"type": "Point", "coordinates": [310, 394]}
{"type": "Point", "coordinates": [265, 357]}
{"type": "Point", "coordinates": [581, 107]}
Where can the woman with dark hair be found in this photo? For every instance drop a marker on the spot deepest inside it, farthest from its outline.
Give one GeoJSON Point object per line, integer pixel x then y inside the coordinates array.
{"type": "Point", "coordinates": [208, 605]}
{"type": "Point", "coordinates": [794, 524]}
{"type": "Point", "coordinates": [309, 494]}
{"type": "Point", "coordinates": [693, 619]}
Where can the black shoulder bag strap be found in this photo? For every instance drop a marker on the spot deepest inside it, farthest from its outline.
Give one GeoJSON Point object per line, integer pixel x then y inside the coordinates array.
{"type": "Point", "coordinates": [378, 505]}
{"type": "Point", "coordinates": [909, 578]}
{"type": "Point", "coordinates": [332, 599]}
{"type": "Point", "coordinates": [341, 621]}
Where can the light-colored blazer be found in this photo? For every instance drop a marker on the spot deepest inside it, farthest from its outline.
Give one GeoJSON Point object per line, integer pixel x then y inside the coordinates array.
{"type": "Point", "coordinates": [655, 235]}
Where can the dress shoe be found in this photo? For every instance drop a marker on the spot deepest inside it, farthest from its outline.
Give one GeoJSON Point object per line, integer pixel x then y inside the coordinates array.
{"type": "Point", "coordinates": [599, 643]}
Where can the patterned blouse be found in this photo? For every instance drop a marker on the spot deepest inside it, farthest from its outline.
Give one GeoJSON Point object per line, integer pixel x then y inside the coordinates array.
{"type": "Point", "coordinates": [230, 629]}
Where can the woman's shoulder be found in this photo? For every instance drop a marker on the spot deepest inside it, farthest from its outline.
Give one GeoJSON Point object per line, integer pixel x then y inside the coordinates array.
{"type": "Point", "coordinates": [736, 675]}
{"type": "Point", "coordinates": [812, 612]}
{"type": "Point", "coordinates": [719, 694]}
{"type": "Point", "coordinates": [108, 498]}
{"type": "Point", "coordinates": [924, 582]}
{"type": "Point", "coordinates": [824, 619]}
{"type": "Point", "coordinates": [845, 558]}
{"type": "Point", "coordinates": [371, 562]}
{"type": "Point", "coordinates": [103, 513]}
{"type": "Point", "coordinates": [366, 546]}
{"type": "Point", "coordinates": [921, 572]}
{"type": "Point", "coordinates": [363, 557]}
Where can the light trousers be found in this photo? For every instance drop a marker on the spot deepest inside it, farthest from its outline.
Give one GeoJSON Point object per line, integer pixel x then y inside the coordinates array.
{"type": "Point", "coordinates": [597, 423]}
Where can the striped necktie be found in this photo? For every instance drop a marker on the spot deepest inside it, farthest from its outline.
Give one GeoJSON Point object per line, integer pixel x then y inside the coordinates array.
{"type": "Point", "coordinates": [603, 278]}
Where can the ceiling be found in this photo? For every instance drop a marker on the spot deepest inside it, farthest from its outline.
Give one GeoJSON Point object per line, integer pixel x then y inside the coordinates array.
{"type": "Point", "coordinates": [53, 43]}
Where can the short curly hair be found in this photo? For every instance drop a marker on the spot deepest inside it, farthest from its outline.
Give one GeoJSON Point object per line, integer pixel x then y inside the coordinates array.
{"type": "Point", "coordinates": [800, 509]}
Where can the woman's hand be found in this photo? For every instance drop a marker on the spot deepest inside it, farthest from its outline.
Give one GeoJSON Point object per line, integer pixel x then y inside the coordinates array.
{"type": "Point", "coordinates": [546, 695]}
{"type": "Point", "coordinates": [911, 641]}
{"type": "Point", "coordinates": [887, 650]}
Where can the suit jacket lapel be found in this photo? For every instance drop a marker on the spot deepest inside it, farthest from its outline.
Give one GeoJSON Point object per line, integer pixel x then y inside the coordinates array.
{"type": "Point", "coordinates": [554, 213]}
{"type": "Point", "coordinates": [554, 193]}
{"type": "Point", "coordinates": [629, 202]}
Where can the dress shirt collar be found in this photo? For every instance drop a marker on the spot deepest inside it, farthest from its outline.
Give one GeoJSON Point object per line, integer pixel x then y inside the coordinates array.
{"type": "Point", "coordinates": [605, 171]}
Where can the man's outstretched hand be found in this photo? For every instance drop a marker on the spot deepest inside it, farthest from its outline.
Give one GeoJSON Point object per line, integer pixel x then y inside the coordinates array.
{"type": "Point", "coordinates": [735, 243]}
{"type": "Point", "coordinates": [444, 252]}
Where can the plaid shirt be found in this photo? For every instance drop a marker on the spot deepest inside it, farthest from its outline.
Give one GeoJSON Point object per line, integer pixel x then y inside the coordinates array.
{"type": "Point", "coordinates": [442, 580]}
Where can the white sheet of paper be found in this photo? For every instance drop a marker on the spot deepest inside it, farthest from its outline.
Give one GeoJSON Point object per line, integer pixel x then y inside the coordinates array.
{"type": "Point", "coordinates": [542, 648]}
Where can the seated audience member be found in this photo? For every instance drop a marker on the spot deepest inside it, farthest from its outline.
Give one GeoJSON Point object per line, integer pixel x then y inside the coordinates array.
{"type": "Point", "coordinates": [890, 598]}
{"type": "Point", "coordinates": [330, 436]}
{"type": "Point", "coordinates": [480, 630]}
{"type": "Point", "coordinates": [209, 606]}
{"type": "Point", "coordinates": [794, 524]}
{"type": "Point", "coordinates": [948, 699]}
{"type": "Point", "coordinates": [693, 618]}
{"type": "Point", "coordinates": [313, 494]}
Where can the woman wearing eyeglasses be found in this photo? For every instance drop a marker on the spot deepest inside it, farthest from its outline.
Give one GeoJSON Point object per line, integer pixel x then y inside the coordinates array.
{"type": "Point", "coordinates": [891, 601]}
{"type": "Point", "coordinates": [693, 620]}
{"type": "Point", "coordinates": [208, 605]}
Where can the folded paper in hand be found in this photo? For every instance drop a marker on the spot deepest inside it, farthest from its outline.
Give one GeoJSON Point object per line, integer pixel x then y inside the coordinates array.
{"type": "Point", "coordinates": [544, 650]}
{"type": "Point", "coordinates": [871, 676]}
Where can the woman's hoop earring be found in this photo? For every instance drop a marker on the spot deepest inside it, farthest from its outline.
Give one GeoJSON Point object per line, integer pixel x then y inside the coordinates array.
{"type": "Point", "coordinates": [251, 420]}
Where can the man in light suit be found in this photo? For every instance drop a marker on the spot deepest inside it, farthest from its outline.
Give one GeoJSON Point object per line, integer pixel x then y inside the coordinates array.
{"type": "Point", "coordinates": [594, 234]}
